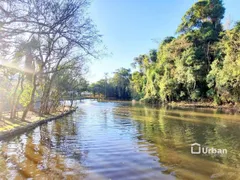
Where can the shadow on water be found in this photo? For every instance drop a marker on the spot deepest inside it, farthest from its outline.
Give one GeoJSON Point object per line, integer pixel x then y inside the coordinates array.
{"type": "Point", "coordinates": [110, 140]}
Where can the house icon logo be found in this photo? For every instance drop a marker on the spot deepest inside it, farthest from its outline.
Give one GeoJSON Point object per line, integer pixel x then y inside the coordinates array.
{"type": "Point", "coordinates": [195, 148]}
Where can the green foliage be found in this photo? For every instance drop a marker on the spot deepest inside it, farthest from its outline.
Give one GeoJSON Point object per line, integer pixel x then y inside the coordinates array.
{"type": "Point", "coordinates": [121, 83]}
{"type": "Point", "coordinates": [69, 82]}
{"type": "Point", "coordinates": [117, 87]}
{"type": "Point", "coordinates": [153, 55]}
{"type": "Point", "coordinates": [202, 62]}
{"type": "Point", "coordinates": [26, 95]}
{"type": "Point", "coordinates": [200, 13]}
{"type": "Point", "coordinates": [137, 85]}
{"type": "Point", "coordinates": [224, 77]}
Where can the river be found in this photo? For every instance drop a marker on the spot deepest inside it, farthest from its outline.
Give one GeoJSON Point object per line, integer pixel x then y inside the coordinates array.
{"type": "Point", "coordinates": [121, 140]}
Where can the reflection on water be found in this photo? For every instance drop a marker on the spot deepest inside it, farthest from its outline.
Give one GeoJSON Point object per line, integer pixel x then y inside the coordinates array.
{"type": "Point", "coordinates": [125, 141]}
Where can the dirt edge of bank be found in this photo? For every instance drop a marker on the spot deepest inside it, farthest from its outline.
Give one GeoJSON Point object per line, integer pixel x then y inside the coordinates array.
{"type": "Point", "coordinates": [227, 108]}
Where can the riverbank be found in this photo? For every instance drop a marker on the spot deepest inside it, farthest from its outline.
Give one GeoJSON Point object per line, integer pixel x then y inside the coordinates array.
{"type": "Point", "coordinates": [207, 105]}
{"type": "Point", "coordinates": [227, 108]}
{"type": "Point", "coordinates": [9, 128]}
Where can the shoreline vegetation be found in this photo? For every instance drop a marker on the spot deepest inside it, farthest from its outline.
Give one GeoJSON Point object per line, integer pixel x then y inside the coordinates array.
{"type": "Point", "coordinates": [197, 67]}
{"type": "Point", "coordinates": [12, 127]}
{"type": "Point", "coordinates": [227, 108]}
{"type": "Point", "coordinates": [45, 47]}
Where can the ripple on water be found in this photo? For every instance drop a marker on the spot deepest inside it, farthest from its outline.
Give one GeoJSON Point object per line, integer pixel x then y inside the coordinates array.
{"type": "Point", "coordinates": [121, 141]}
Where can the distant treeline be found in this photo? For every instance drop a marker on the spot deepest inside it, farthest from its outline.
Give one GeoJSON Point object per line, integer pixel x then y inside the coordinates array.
{"type": "Point", "coordinates": [117, 87]}
{"type": "Point", "coordinates": [201, 63]}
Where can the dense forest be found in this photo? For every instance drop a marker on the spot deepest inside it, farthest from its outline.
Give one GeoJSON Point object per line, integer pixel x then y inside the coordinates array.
{"type": "Point", "coordinates": [201, 63]}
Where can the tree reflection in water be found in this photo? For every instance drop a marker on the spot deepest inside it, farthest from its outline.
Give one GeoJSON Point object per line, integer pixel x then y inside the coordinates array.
{"type": "Point", "coordinates": [125, 141]}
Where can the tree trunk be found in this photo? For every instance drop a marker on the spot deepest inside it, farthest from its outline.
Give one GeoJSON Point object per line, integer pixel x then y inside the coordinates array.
{"type": "Point", "coordinates": [72, 98]}
{"type": "Point", "coordinates": [45, 98]}
{"type": "Point", "coordinates": [14, 102]}
{"type": "Point", "coordinates": [30, 104]}
{"type": "Point", "coordinates": [0, 110]}
{"type": "Point", "coordinates": [18, 98]}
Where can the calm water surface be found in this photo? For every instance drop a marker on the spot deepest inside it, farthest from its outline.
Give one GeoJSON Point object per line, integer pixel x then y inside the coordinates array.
{"type": "Point", "coordinates": [106, 140]}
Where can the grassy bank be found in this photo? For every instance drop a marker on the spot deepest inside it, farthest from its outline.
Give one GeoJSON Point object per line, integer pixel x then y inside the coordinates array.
{"type": "Point", "coordinates": [10, 127]}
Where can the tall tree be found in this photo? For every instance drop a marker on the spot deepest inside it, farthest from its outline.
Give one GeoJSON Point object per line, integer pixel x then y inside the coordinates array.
{"type": "Point", "coordinates": [224, 78]}
{"type": "Point", "coordinates": [62, 32]}
{"type": "Point", "coordinates": [202, 26]}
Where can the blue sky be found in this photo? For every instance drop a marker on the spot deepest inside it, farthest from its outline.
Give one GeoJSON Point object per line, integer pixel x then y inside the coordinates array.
{"type": "Point", "coordinates": [133, 27]}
